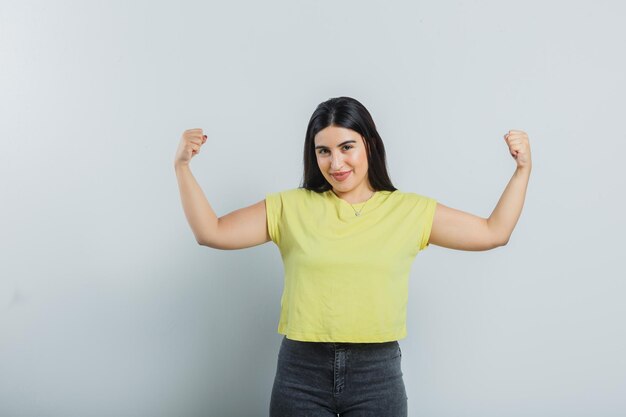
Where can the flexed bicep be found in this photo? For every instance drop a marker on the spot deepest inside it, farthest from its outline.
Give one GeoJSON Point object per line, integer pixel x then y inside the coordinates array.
{"type": "Point", "coordinates": [242, 228]}
{"type": "Point", "coordinates": [456, 229]}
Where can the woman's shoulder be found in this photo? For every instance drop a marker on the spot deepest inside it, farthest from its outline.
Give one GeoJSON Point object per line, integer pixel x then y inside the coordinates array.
{"type": "Point", "coordinates": [295, 193]}
{"type": "Point", "coordinates": [408, 196]}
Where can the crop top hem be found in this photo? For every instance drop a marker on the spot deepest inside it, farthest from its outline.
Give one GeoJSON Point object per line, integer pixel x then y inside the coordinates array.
{"type": "Point", "coordinates": [347, 338]}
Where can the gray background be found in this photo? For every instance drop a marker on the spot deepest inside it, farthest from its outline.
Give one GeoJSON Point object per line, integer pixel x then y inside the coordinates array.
{"type": "Point", "coordinates": [109, 307]}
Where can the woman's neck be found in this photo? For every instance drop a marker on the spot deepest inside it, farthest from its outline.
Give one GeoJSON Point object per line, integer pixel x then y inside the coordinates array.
{"type": "Point", "coordinates": [355, 196]}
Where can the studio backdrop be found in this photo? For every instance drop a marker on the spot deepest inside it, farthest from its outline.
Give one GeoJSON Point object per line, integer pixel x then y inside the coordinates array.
{"type": "Point", "coordinates": [109, 306]}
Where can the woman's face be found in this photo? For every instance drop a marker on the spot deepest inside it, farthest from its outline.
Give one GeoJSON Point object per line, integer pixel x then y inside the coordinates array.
{"type": "Point", "coordinates": [341, 150]}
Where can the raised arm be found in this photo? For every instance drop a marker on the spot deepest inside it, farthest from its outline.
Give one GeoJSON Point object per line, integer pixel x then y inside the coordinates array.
{"type": "Point", "coordinates": [242, 228]}
{"type": "Point", "coordinates": [456, 229]}
{"type": "Point", "coordinates": [239, 229]}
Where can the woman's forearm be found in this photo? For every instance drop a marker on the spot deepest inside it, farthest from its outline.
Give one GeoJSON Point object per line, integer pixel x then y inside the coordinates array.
{"type": "Point", "coordinates": [198, 211]}
{"type": "Point", "coordinates": [504, 217]}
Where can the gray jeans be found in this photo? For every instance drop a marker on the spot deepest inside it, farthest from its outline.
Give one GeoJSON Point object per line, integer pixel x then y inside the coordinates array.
{"type": "Point", "coordinates": [315, 379]}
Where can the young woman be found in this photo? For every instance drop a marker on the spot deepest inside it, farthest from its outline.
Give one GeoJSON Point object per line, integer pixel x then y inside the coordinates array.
{"type": "Point", "coordinates": [347, 238]}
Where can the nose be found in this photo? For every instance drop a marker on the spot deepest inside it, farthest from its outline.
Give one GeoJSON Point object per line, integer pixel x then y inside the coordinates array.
{"type": "Point", "coordinates": [335, 162]}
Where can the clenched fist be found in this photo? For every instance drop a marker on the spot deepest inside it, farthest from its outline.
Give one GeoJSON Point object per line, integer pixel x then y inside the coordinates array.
{"type": "Point", "coordinates": [190, 143]}
{"type": "Point", "coordinates": [519, 148]}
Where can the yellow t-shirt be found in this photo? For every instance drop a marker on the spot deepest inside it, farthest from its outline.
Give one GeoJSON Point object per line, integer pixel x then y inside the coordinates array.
{"type": "Point", "coordinates": [346, 276]}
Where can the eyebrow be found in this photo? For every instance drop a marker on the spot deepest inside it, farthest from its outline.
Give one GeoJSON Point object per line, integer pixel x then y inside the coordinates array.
{"type": "Point", "coordinates": [340, 145]}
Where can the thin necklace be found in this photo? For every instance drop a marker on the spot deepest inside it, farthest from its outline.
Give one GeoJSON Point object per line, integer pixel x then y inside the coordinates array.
{"type": "Point", "coordinates": [358, 213]}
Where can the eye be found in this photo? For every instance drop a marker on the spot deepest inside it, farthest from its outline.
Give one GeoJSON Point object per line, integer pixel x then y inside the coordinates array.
{"type": "Point", "coordinates": [345, 147]}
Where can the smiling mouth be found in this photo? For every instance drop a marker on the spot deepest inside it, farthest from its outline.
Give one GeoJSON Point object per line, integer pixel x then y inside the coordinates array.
{"type": "Point", "coordinates": [341, 176]}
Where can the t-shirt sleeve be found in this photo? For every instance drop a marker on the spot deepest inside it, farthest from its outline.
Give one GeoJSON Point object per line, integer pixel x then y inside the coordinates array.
{"type": "Point", "coordinates": [425, 209]}
{"type": "Point", "coordinates": [274, 210]}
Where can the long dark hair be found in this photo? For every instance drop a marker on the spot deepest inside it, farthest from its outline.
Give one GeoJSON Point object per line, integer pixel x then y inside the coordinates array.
{"type": "Point", "coordinates": [348, 113]}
